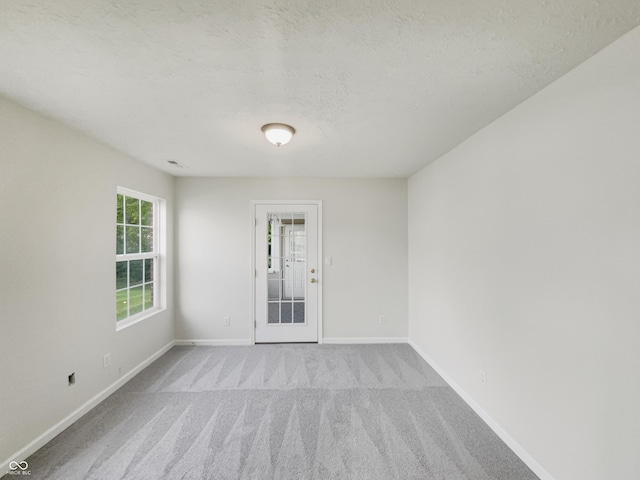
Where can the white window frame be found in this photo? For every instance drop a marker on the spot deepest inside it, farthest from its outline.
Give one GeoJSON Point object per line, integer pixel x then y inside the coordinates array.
{"type": "Point", "coordinates": [155, 255]}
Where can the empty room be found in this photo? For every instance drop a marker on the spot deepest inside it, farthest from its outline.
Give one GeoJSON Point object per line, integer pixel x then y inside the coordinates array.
{"type": "Point", "coordinates": [320, 240]}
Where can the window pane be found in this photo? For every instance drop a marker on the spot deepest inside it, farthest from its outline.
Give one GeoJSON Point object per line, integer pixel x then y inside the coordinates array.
{"type": "Point", "coordinates": [147, 239]}
{"type": "Point", "coordinates": [148, 270]}
{"type": "Point", "coordinates": [121, 305]}
{"type": "Point", "coordinates": [147, 213]}
{"type": "Point", "coordinates": [119, 240]}
{"type": "Point", "coordinates": [119, 209]}
{"type": "Point", "coordinates": [121, 275]}
{"type": "Point", "coordinates": [148, 296]}
{"type": "Point", "coordinates": [133, 211]}
{"type": "Point", "coordinates": [135, 300]}
{"type": "Point", "coordinates": [133, 239]}
{"type": "Point", "coordinates": [135, 272]}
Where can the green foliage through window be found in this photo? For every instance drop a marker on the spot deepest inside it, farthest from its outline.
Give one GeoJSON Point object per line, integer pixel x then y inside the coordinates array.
{"type": "Point", "coordinates": [136, 255]}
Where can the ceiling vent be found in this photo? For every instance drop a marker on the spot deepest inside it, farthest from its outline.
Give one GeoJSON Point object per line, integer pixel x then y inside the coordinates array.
{"type": "Point", "coordinates": [175, 164]}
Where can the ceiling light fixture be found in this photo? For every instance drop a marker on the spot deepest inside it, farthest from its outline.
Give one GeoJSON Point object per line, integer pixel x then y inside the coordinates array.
{"type": "Point", "coordinates": [278, 133]}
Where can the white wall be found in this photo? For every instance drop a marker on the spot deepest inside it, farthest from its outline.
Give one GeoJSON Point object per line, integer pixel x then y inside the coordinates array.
{"type": "Point", "coordinates": [365, 231]}
{"type": "Point", "coordinates": [57, 272]}
{"type": "Point", "coordinates": [524, 261]}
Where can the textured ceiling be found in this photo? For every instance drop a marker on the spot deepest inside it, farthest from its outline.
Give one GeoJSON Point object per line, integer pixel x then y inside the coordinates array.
{"type": "Point", "coordinates": [375, 88]}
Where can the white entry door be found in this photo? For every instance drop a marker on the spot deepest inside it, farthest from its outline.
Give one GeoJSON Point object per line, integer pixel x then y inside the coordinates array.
{"type": "Point", "coordinates": [286, 277]}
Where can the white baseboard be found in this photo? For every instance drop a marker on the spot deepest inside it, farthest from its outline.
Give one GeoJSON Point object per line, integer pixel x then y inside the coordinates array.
{"type": "Point", "coordinates": [359, 340]}
{"type": "Point", "coordinates": [59, 427]}
{"type": "Point", "coordinates": [247, 341]}
{"type": "Point", "coordinates": [213, 343]}
{"type": "Point", "coordinates": [493, 425]}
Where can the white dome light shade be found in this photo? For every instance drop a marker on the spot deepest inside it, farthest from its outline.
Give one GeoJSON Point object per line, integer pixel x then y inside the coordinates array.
{"type": "Point", "coordinates": [278, 133]}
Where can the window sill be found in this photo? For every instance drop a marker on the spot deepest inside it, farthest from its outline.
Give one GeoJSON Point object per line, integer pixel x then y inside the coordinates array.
{"type": "Point", "coordinates": [127, 322]}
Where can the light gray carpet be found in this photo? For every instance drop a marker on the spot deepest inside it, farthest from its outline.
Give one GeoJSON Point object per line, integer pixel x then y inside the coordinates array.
{"type": "Point", "coordinates": [360, 412]}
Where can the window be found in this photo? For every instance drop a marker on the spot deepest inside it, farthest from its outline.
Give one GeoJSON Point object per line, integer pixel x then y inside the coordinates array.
{"type": "Point", "coordinates": [136, 256]}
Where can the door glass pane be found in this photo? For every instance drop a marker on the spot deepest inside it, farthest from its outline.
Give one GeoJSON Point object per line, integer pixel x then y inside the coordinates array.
{"type": "Point", "coordinates": [273, 289]}
{"type": "Point", "coordinates": [286, 268]}
{"type": "Point", "coordinates": [286, 290]}
{"type": "Point", "coordinates": [274, 312]}
{"type": "Point", "coordinates": [298, 312]}
{"type": "Point", "coordinates": [286, 312]}
{"type": "Point", "coordinates": [274, 265]}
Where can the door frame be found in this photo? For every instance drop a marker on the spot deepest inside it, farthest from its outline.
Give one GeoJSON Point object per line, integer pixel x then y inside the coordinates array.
{"type": "Point", "coordinates": [254, 203]}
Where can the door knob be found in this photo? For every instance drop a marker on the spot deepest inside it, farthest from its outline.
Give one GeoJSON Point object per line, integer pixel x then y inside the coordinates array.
{"type": "Point", "coordinates": [313, 280]}
{"type": "Point", "coordinates": [313, 270]}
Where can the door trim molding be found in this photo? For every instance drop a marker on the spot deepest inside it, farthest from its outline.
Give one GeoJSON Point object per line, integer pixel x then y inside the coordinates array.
{"type": "Point", "coordinates": [254, 203]}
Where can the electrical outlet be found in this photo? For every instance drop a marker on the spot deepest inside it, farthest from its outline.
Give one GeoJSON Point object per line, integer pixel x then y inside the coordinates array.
{"type": "Point", "coordinates": [382, 319]}
{"type": "Point", "coordinates": [227, 321]}
{"type": "Point", "coordinates": [106, 360]}
{"type": "Point", "coordinates": [483, 378]}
